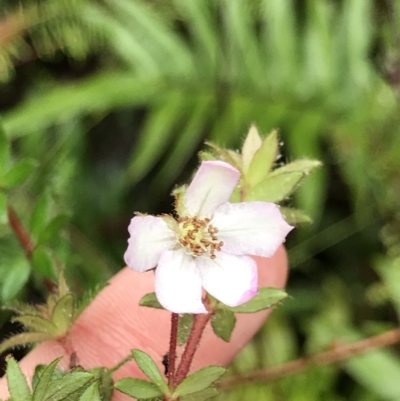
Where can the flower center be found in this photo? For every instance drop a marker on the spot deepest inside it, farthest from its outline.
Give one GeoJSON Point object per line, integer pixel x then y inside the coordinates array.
{"type": "Point", "coordinates": [198, 236]}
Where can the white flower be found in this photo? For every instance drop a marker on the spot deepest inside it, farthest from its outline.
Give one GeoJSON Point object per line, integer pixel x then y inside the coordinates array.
{"type": "Point", "coordinates": [208, 246]}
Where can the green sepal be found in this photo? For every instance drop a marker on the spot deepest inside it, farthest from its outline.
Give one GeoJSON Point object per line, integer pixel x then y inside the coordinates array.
{"type": "Point", "coordinates": [63, 314]}
{"type": "Point", "coordinates": [5, 151]}
{"type": "Point", "coordinates": [184, 328]}
{"type": "Point", "coordinates": [199, 380]}
{"type": "Point", "coordinates": [53, 228]}
{"type": "Point", "coordinates": [266, 297]}
{"type": "Point", "coordinates": [150, 369]}
{"type": "Point", "coordinates": [228, 156]}
{"type": "Point", "coordinates": [3, 208]}
{"type": "Point", "coordinates": [16, 381]}
{"type": "Point", "coordinates": [295, 216]}
{"type": "Point", "coordinates": [91, 393]}
{"type": "Point", "coordinates": [43, 377]}
{"type": "Point", "coordinates": [304, 166]}
{"type": "Point", "coordinates": [105, 380]}
{"type": "Point", "coordinates": [24, 339]}
{"type": "Point", "coordinates": [201, 395]}
{"type": "Point", "coordinates": [250, 146]}
{"type": "Point", "coordinates": [138, 388]}
{"type": "Point", "coordinates": [40, 216]}
{"type": "Point", "coordinates": [36, 324]}
{"type": "Point", "coordinates": [70, 386]}
{"type": "Point", "coordinates": [223, 322]}
{"type": "Point", "coordinates": [18, 173]}
{"type": "Point", "coordinates": [205, 156]}
{"type": "Point", "coordinates": [42, 262]}
{"type": "Point", "coordinates": [275, 188]}
{"type": "Point", "coordinates": [150, 300]}
{"type": "Point", "coordinates": [263, 160]}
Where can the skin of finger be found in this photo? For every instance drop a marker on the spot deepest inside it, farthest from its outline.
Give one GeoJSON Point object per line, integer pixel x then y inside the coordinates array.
{"type": "Point", "coordinates": [114, 324]}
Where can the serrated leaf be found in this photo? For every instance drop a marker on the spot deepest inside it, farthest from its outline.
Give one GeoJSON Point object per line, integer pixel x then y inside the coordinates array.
{"type": "Point", "coordinates": [14, 279]}
{"type": "Point", "coordinates": [3, 208]}
{"type": "Point", "coordinates": [199, 380]}
{"type": "Point", "coordinates": [18, 173]}
{"type": "Point", "coordinates": [4, 151]}
{"type": "Point", "coordinates": [184, 328]}
{"type": "Point", "coordinates": [304, 166]}
{"type": "Point", "coordinates": [23, 339]}
{"type": "Point", "coordinates": [16, 380]}
{"type": "Point", "coordinates": [36, 324]}
{"type": "Point", "coordinates": [201, 395]}
{"type": "Point", "coordinates": [63, 314]}
{"type": "Point", "coordinates": [150, 369]}
{"type": "Point", "coordinates": [40, 216]}
{"type": "Point", "coordinates": [151, 301]}
{"type": "Point", "coordinates": [223, 322]}
{"type": "Point", "coordinates": [91, 393]}
{"type": "Point", "coordinates": [44, 381]}
{"type": "Point", "coordinates": [52, 230]}
{"type": "Point", "coordinates": [266, 297]}
{"type": "Point", "coordinates": [138, 388]}
{"type": "Point", "coordinates": [42, 262]}
{"type": "Point", "coordinates": [295, 216]}
{"type": "Point", "coordinates": [250, 146]}
{"type": "Point", "coordinates": [73, 383]}
{"type": "Point", "coordinates": [263, 160]}
{"type": "Point", "coordinates": [275, 189]}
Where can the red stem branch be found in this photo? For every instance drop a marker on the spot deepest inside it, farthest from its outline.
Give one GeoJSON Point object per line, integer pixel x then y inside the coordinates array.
{"type": "Point", "coordinates": [20, 232]}
{"type": "Point", "coordinates": [199, 324]}
{"type": "Point", "coordinates": [339, 353]}
{"type": "Point", "coordinates": [172, 350]}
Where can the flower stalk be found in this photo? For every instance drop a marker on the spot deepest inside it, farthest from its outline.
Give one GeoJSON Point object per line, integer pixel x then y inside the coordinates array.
{"type": "Point", "coordinates": [172, 350]}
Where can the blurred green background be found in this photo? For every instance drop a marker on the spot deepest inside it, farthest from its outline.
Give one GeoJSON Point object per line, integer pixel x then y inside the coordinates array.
{"type": "Point", "coordinates": [114, 98]}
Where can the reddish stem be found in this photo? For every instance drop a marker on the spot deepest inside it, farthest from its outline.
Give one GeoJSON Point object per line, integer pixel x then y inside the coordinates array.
{"type": "Point", "coordinates": [172, 350]}
{"type": "Point", "coordinates": [20, 232]}
{"type": "Point", "coordinates": [199, 324]}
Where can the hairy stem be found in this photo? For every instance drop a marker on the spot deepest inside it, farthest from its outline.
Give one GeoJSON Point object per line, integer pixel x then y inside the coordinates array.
{"type": "Point", "coordinates": [199, 324]}
{"type": "Point", "coordinates": [20, 232]}
{"type": "Point", "coordinates": [172, 350]}
{"type": "Point", "coordinates": [339, 353]}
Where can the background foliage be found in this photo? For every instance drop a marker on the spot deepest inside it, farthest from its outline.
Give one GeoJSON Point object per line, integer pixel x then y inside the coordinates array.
{"type": "Point", "coordinates": [115, 97]}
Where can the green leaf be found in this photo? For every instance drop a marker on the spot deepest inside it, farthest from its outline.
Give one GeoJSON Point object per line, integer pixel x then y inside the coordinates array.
{"type": "Point", "coordinates": [63, 314]}
{"type": "Point", "coordinates": [295, 216]}
{"type": "Point", "coordinates": [3, 208]}
{"type": "Point", "coordinates": [201, 395]}
{"type": "Point", "coordinates": [18, 173]}
{"type": "Point", "coordinates": [184, 328]}
{"type": "Point", "coordinates": [199, 380]}
{"type": "Point", "coordinates": [266, 297]}
{"type": "Point", "coordinates": [44, 381]}
{"type": "Point", "coordinates": [250, 146]}
{"type": "Point", "coordinates": [91, 393]}
{"type": "Point", "coordinates": [72, 383]}
{"type": "Point", "coordinates": [23, 339]}
{"type": "Point", "coordinates": [5, 152]}
{"type": "Point", "coordinates": [276, 188]}
{"type": "Point", "coordinates": [16, 380]}
{"type": "Point", "coordinates": [138, 388]}
{"type": "Point", "coordinates": [150, 369]}
{"type": "Point", "coordinates": [263, 160]}
{"type": "Point", "coordinates": [223, 322]}
{"type": "Point", "coordinates": [52, 230]}
{"type": "Point", "coordinates": [151, 301]}
{"type": "Point", "coordinates": [304, 166]}
{"type": "Point", "coordinates": [14, 279]}
{"type": "Point", "coordinates": [42, 262]}
{"type": "Point", "coordinates": [40, 216]}
{"type": "Point", "coordinates": [36, 324]}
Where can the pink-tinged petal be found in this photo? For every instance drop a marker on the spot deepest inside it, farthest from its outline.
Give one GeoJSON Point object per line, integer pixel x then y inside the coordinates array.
{"type": "Point", "coordinates": [178, 283]}
{"type": "Point", "coordinates": [250, 228]}
{"type": "Point", "coordinates": [229, 278]}
{"type": "Point", "coordinates": [149, 237]}
{"type": "Point", "coordinates": [212, 185]}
